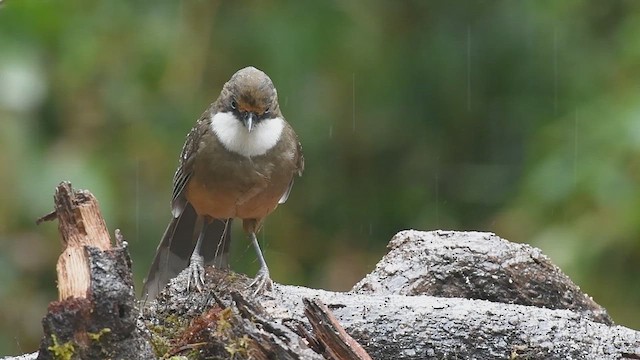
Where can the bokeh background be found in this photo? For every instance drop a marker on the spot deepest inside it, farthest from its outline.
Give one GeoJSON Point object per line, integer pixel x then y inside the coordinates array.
{"type": "Point", "coordinates": [520, 118]}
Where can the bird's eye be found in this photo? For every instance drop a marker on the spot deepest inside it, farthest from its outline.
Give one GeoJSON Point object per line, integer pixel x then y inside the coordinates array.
{"type": "Point", "coordinates": [267, 111]}
{"type": "Point", "coordinates": [234, 105]}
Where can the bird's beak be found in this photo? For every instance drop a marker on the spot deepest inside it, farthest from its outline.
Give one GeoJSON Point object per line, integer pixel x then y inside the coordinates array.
{"type": "Point", "coordinates": [247, 120]}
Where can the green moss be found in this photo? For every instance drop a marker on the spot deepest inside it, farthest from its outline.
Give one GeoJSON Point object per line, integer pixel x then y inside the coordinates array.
{"type": "Point", "coordinates": [232, 276]}
{"type": "Point", "coordinates": [161, 335]}
{"type": "Point", "coordinates": [61, 351]}
{"type": "Point", "coordinates": [177, 334]}
{"type": "Point", "coordinates": [238, 347]}
{"type": "Point", "coordinates": [98, 335]}
{"type": "Point", "coordinates": [160, 344]}
{"type": "Point", "coordinates": [224, 325]}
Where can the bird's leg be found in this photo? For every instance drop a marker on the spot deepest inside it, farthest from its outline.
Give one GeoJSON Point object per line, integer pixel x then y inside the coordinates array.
{"type": "Point", "coordinates": [262, 280]}
{"type": "Point", "coordinates": [196, 262]}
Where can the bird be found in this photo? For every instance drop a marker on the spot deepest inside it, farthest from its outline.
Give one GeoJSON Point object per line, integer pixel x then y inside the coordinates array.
{"type": "Point", "coordinates": [239, 161]}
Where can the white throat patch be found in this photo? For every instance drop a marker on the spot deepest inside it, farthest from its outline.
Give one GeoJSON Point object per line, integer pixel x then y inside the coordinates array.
{"type": "Point", "coordinates": [235, 137]}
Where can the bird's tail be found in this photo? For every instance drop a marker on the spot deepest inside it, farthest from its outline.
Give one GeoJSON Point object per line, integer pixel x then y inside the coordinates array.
{"type": "Point", "coordinates": [177, 244]}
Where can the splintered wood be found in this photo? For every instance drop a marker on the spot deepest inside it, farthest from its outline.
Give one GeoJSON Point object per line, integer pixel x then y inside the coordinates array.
{"type": "Point", "coordinates": [331, 339]}
{"type": "Point", "coordinates": [80, 224]}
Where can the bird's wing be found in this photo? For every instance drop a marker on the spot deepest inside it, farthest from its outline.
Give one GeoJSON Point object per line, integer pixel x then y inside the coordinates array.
{"type": "Point", "coordinates": [298, 170]}
{"type": "Point", "coordinates": [185, 166]}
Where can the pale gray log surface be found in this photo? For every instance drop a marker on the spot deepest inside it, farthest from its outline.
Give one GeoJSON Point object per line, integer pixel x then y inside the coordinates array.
{"type": "Point", "coordinates": [32, 356]}
{"type": "Point", "coordinates": [420, 327]}
{"type": "Point", "coordinates": [475, 265]}
{"type": "Point", "coordinates": [398, 326]}
{"type": "Point", "coordinates": [393, 318]}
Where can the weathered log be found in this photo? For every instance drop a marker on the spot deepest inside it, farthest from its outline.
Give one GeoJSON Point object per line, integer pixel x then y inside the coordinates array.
{"type": "Point", "coordinates": [95, 317]}
{"type": "Point", "coordinates": [392, 325]}
{"type": "Point", "coordinates": [475, 265]}
{"type": "Point", "coordinates": [440, 294]}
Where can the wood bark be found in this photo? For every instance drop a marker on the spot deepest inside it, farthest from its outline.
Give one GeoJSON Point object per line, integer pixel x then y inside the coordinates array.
{"type": "Point", "coordinates": [439, 294]}
{"type": "Point", "coordinates": [96, 315]}
{"type": "Point", "coordinates": [523, 305]}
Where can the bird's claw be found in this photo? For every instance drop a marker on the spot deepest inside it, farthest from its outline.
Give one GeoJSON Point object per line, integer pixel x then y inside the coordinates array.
{"type": "Point", "coordinates": [261, 282]}
{"type": "Point", "coordinates": [196, 273]}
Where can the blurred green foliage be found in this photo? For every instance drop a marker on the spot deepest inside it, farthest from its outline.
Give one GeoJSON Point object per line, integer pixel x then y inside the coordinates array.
{"type": "Point", "coordinates": [520, 118]}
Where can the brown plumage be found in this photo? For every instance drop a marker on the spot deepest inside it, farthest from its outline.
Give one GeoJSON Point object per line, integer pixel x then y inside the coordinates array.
{"type": "Point", "coordinates": [238, 161]}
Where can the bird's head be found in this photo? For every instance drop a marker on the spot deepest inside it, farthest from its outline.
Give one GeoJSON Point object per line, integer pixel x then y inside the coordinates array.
{"type": "Point", "coordinates": [251, 97]}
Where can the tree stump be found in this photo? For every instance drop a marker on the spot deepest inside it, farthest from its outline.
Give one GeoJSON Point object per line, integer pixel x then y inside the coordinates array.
{"type": "Point", "coordinates": [95, 317]}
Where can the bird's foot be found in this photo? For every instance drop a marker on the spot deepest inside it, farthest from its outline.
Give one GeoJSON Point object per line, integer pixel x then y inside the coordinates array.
{"type": "Point", "coordinates": [196, 272]}
{"type": "Point", "coordinates": [261, 282]}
